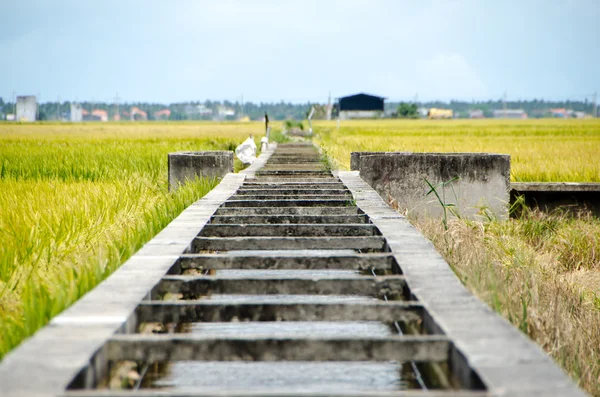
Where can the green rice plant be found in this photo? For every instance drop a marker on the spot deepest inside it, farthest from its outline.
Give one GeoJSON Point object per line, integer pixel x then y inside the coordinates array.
{"type": "Point", "coordinates": [77, 200]}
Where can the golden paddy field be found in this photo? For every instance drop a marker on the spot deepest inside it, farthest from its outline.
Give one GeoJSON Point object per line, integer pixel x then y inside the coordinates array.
{"type": "Point", "coordinates": [541, 150]}
{"type": "Point", "coordinates": [76, 200]}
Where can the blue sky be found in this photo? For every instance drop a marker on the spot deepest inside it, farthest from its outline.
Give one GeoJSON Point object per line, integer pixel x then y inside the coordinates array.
{"type": "Point", "coordinates": [271, 50]}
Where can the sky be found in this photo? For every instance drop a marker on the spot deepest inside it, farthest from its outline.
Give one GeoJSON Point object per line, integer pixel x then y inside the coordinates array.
{"type": "Point", "coordinates": [299, 51]}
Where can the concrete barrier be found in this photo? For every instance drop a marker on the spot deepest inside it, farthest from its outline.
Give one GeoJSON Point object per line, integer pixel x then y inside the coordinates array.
{"type": "Point", "coordinates": [185, 166]}
{"type": "Point", "coordinates": [567, 195]}
{"type": "Point", "coordinates": [399, 178]}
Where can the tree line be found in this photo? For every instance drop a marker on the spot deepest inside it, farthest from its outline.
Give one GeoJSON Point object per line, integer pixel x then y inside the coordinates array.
{"type": "Point", "coordinates": [294, 111]}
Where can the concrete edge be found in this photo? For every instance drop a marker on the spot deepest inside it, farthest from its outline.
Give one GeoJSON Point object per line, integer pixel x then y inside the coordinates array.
{"type": "Point", "coordinates": [46, 363]}
{"type": "Point", "coordinates": [260, 161]}
{"type": "Point", "coordinates": [507, 362]}
{"type": "Point", "coordinates": [555, 187]}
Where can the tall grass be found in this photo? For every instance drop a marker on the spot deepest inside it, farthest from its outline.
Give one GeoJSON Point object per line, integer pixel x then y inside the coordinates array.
{"type": "Point", "coordinates": [541, 150]}
{"type": "Point", "coordinates": [542, 273]}
{"type": "Point", "coordinates": [77, 200]}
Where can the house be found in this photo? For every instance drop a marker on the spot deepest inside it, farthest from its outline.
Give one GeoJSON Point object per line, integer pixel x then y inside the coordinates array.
{"type": "Point", "coordinates": [138, 114]}
{"type": "Point", "coordinates": [99, 114]}
{"type": "Point", "coordinates": [561, 113]}
{"type": "Point", "coordinates": [163, 114]}
{"type": "Point", "coordinates": [581, 115]}
{"type": "Point", "coordinates": [203, 110]}
{"type": "Point", "coordinates": [510, 114]}
{"type": "Point", "coordinates": [225, 111]}
{"type": "Point", "coordinates": [476, 114]}
{"type": "Point", "coordinates": [360, 106]}
{"type": "Point", "coordinates": [437, 114]}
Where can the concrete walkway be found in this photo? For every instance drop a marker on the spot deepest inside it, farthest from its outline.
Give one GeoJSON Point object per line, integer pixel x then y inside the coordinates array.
{"type": "Point", "coordinates": [285, 280]}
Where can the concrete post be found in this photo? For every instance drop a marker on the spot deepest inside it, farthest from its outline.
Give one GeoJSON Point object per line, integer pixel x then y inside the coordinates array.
{"type": "Point", "coordinates": [483, 180]}
{"type": "Point", "coordinates": [185, 166]}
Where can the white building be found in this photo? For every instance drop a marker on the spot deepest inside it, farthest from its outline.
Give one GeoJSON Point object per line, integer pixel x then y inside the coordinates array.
{"type": "Point", "coordinates": [76, 113]}
{"type": "Point", "coordinates": [225, 111]}
{"type": "Point", "coordinates": [26, 108]}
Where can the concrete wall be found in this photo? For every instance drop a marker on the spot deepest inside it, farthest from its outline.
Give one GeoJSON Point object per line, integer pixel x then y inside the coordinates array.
{"type": "Point", "coordinates": [484, 179]}
{"type": "Point", "coordinates": [185, 166]}
{"type": "Point", "coordinates": [26, 108]}
{"type": "Point", "coordinates": [571, 196]}
{"type": "Point", "coordinates": [359, 114]}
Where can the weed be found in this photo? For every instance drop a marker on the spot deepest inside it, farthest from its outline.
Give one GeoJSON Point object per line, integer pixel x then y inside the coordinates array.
{"type": "Point", "coordinates": [446, 207]}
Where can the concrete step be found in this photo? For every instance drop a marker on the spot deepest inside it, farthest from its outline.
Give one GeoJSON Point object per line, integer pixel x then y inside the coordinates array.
{"type": "Point", "coordinates": [394, 287]}
{"type": "Point", "coordinates": [306, 260]}
{"type": "Point", "coordinates": [294, 176]}
{"type": "Point", "coordinates": [293, 179]}
{"type": "Point", "coordinates": [312, 211]}
{"type": "Point", "coordinates": [289, 203]}
{"type": "Point", "coordinates": [206, 347]}
{"type": "Point", "coordinates": [273, 392]}
{"type": "Point", "coordinates": [290, 230]}
{"type": "Point", "coordinates": [284, 191]}
{"type": "Point", "coordinates": [288, 219]}
{"type": "Point", "coordinates": [362, 244]}
{"type": "Point", "coordinates": [293, 172]}
{"type": "Point", "coordinates": [334, 185]}
{"type": "Point", "coordinates": [343, 196]}
{"type": "Point", "coordinates": [207, 311]}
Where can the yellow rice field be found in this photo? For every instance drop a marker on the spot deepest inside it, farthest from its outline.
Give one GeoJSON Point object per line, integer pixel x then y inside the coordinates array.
{"type": "Point", "coordinates": [541, 150]}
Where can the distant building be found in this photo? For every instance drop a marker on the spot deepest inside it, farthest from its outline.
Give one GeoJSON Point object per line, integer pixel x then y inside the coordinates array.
{"type": "Point", "coordinates": [476, 114]}
{"type": "Point", "coordinates": [100, 115]}
{"type": "Point", "coordinates": [224, 111]}
{"type": "Point", "coordinates": [203, 110]}
{"type": "Point", "coordinates": [138, 114]}
{"type": "Point", "coordinates": [163, 114]}
{"type": "Point", "coordinates": [422, 112]}
{"type": "Point", "coordinates": [26, 108]}
{"type": "Point", "coordinates": [561, 113]}
{"type": "Point", "coordinates": [510, 114]}
{"type": "Point", "coordinates": [76, 114]}
{"type": "Point", "coordinates": [360, 106]}
{"type": "Point", "coordinates": [436, 114]}
{"type": "Point", "coordinates": [10, 117]}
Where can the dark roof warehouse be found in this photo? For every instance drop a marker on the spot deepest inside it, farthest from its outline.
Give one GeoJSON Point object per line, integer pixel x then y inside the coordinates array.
{"type": "Point", "coordinates": [361, 102]}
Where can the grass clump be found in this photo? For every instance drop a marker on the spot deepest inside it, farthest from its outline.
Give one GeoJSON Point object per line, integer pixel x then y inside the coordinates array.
{"type": "Point", "coordinates": [541, 272]}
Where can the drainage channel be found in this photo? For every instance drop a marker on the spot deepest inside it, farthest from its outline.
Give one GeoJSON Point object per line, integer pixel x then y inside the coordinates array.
{"type": "Point", "coordinates": [288, 289]}
{"type": "Point", "coordinates": [286, 280]}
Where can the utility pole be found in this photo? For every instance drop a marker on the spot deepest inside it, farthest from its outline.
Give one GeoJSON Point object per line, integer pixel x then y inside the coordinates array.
{"type": "Point", "coordinates": [117, 114]}
{"type": "Point", "coordinates": [242, 107]}
{"type": "Point", "coordinates": [14, 99]}
{"type": "Point", "coordinates": [504, 106]}
{"type": "Point", "coordinates": [58, 108]}
{"type": "Point", "coordinates": [595, 105]}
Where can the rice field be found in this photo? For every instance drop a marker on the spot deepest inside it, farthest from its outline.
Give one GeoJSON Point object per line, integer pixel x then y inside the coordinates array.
{"type": "Point", "coordinates": [541, 150]}
{"type": "Point", "coordinates": [540, 271]}
{"type": "Point", "coordinates": [76, 200]}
